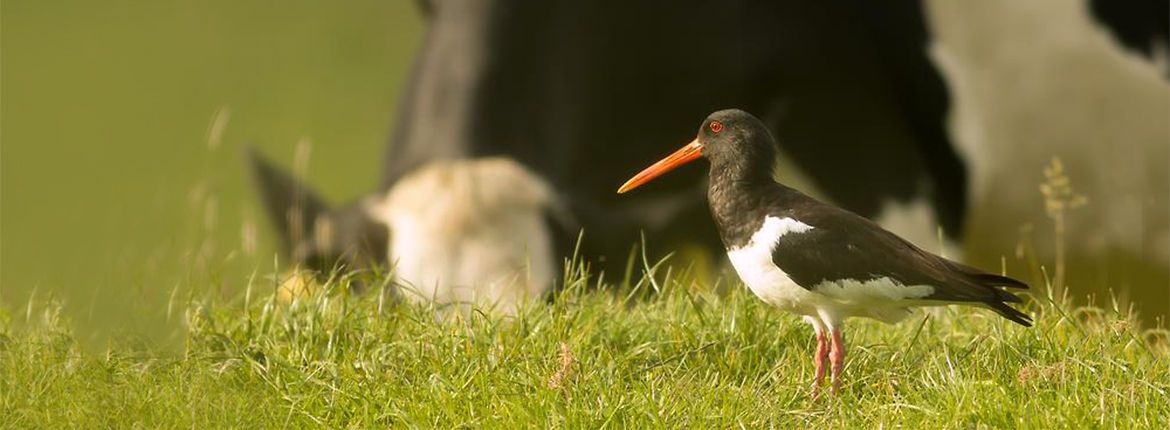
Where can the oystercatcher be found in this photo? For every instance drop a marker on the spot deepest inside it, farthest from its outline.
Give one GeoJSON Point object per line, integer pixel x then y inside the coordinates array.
{"type": "Point", "coordinates": [815, 259]}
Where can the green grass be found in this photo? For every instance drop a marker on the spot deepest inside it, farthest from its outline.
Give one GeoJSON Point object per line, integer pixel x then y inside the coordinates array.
{"type": "Point", "coordinates": [593, 357]}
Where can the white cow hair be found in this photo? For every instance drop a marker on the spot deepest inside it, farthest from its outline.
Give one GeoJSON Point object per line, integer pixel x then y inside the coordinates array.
{"type": "Point", "coordinates": [1071, 91]}
{"type": "Point", "coordinates": [470, 232]}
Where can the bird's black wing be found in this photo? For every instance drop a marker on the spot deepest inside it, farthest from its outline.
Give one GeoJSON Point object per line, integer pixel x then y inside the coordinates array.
{"type": "Point", "coordinates": [845, 246]}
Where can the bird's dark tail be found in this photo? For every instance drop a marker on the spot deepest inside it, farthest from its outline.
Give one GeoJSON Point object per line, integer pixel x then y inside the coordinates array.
{"type": "Point", "coordinates": [998, 281]}
{"type": "Point", "coordinates": [981, 283]}
{"type": "Point", "coordinates": [1011, 313]}
{"type": "Point", "coordinates": [1000, 303]}
{"type": "Point", "coordinates": [1000, 298]}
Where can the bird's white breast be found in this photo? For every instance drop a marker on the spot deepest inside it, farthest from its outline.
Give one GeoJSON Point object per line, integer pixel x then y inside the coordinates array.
{"type": "Point", "coordinates": [753, 263]}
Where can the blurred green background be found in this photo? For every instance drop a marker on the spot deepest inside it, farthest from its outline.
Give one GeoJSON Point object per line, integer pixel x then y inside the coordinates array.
{"type": "Point", "coordinates": [110, 187]}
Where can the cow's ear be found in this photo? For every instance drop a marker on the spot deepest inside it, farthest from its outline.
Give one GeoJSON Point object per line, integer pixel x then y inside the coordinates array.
{"type": "Point", "coordinates": [292, 207]}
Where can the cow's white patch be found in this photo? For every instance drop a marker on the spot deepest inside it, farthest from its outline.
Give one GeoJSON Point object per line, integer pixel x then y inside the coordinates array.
{"type": "Point", "coordinates": [753, 263]}
{"type": "Point", "coordinates": [470, 232]}
{"type": "Point", "coordinates": [1015, 104]}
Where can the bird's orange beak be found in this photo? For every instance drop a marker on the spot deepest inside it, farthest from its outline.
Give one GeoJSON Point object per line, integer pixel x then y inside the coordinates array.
{"type": "Point", "coordinates": [685, 154]}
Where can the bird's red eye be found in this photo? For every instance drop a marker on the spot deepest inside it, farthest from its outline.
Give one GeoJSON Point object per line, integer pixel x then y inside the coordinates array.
{"type": "Point", "coordinates": [716, 126]}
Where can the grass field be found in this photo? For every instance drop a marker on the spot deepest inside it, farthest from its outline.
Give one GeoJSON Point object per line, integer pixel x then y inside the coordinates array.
{"type": "Point", "coordinates": [129, 231]}
{"type": "Point", "coordinates": [595, 356]}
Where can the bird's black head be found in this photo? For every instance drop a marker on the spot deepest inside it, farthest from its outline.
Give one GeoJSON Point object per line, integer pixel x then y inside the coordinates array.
{"type": "Point", "coordinates": [735, 142]}
{"type": "Point", "coordinates": [734, 139]}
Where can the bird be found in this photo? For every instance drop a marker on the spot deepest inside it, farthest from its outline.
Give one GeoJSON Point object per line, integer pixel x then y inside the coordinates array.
{"type": "Point", "coordinates": [812, 258]}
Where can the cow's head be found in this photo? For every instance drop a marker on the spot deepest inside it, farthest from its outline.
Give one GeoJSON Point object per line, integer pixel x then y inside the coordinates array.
{"type": "Point", "coordinates": [313, 235]}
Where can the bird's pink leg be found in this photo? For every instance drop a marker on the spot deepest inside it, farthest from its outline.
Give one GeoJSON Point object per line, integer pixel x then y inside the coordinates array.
{"type": "Point", "coordinates": [819, 361]}
{"type": "Point", "coordinates": [837, 357]}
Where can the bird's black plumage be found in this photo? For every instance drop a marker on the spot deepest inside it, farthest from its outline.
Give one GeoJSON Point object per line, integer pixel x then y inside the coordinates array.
{"type": "Point", "coordinates": [841, 246]}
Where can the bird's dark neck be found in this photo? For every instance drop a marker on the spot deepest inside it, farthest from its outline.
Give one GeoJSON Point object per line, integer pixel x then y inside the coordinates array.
{"type": "Point", "coordinates": [740, 198]}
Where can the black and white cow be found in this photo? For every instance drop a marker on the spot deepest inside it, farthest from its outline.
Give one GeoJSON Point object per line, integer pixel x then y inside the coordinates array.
{"type": "Point", "coordinates": [584, 93]}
